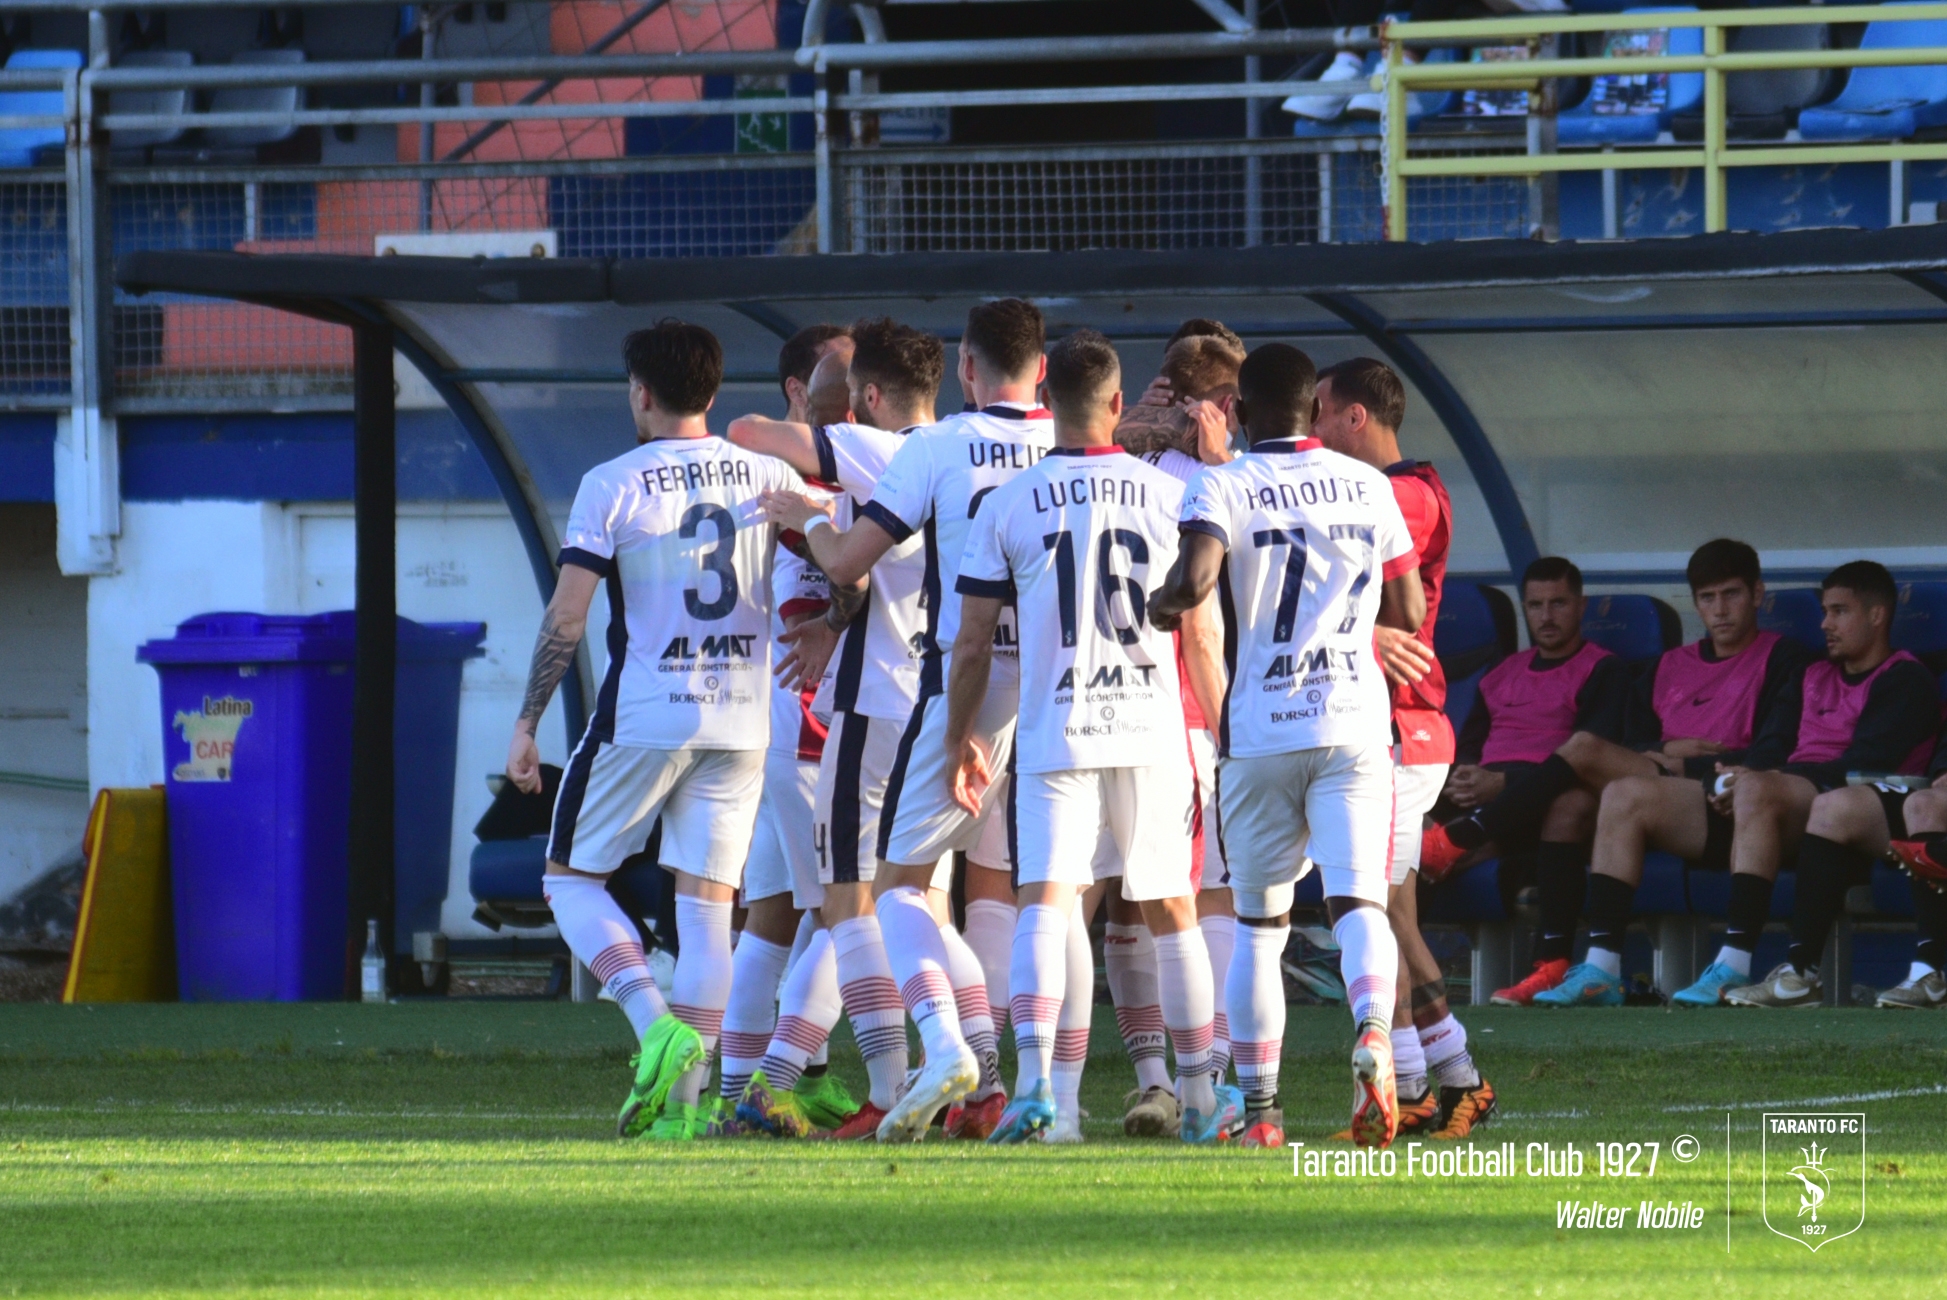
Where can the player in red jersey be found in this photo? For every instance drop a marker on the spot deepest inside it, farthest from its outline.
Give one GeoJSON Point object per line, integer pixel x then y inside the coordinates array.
{"type": "Point", "coordinates": [1361, 404]}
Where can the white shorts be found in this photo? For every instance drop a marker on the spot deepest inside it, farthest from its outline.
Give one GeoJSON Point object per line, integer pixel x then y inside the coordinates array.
{"type": "Point", "coordinates": [611, 796]}
{"type": "Point", "coordinates": [852, 778]}
{"type": "Point", "coordinates": [1281, 811]}
{"type": "Point", "coordinates": [921, 822]}
{"type": "Point", "coordinates": [1416, 788]}
{"type": "Point", "coordinates": [1077, 827]}
{"type": "Point", "coordinates": [1203, 761]}
{"type": "Point", "coordinates": [781, 854]}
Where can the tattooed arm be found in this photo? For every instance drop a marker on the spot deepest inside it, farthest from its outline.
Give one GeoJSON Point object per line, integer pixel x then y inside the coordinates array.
{"type": "Point", "coordinates": [1146, 429]}
{"type": "Point", "coordinates": [554, 655]}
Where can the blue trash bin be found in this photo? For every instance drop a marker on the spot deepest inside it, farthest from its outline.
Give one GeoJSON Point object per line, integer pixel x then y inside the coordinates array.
{"type": "Point", "coordinates": [256, 714]}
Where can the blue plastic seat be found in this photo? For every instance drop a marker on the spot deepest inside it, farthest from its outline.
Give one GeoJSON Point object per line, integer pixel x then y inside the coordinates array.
{"type": "Point", "coordinates": [1468, 897]}
{"type": "Point", "coordinates": [1638, 628]}
{"type": "Point", "coordinates": [1795, 613]}
{"type": "Point", "coordinates": [1663, 891]}
{"type": "Point", "coordinates": [1886, 103]}
{"type": "Point", "coordinates": [25, 146]}
{"type": "Point", "coordinates": [1920, 622]}
{"type": "Point", "coordinates": [1583, 125]}
{"type": "Point", "coordinates": [508, 871]}
{"type": "Point", "coordinates": [1892, 891]}
{"type": "Point", "coordinates": [1475, 631]}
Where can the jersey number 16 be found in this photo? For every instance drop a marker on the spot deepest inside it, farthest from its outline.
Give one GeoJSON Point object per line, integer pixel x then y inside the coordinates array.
{"type": "Point", "coordinates": [1125, 623]}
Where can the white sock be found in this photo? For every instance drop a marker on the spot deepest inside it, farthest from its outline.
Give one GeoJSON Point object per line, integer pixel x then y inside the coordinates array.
{"type": "Point", "coordinates": [976, 1013]}
{"type": "Point", "coordinates": [1254, 992]}
{"type": "Point", "coordinates": [917, 956]}
{"type": "Point", "coordinates": [702, 985]}
{"type": "Point", "coordinates": [1037, 977]}
{"type": "Point", "coordinates": [801, 940]}
{"type": "Point", "coordinates": [1445, 1045]}
{"type": "Point", "coordinates": [990, 933]}
{"type": "Point", "coordinates": [751, 1015]}
{"type": "Point", "coordinates": [1917, 971]}
{"type": "Point", "coordinates": [872, 1002]}
{"type": "Point", "coordinates": [1129, 960]}
{"type": "Point", "coordinates": [1409, 1061]}
{"type": "Point", "coordinates": [602, 938]}
{"type": "Point", "coordinates": [1183, 970]}
{"type": "Point", "coordinates": [1736, 958]}
{"type": "Point", "coordinates": [1604, 960]}
{"type": "Point", "coordinates": [808, 1007]}
{"type": "Point", "coordinates": [1369, 964]}
{"type": "Point", "coordinates": [1077, 1008]}
{"type": "Point", "coordinates": [1220, 938]}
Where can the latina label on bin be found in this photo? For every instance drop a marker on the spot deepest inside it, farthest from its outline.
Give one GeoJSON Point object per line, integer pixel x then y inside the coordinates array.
{"type": "Point", "coordinates": [211, 733]}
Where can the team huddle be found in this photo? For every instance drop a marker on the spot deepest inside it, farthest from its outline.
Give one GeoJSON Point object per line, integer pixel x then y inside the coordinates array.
{"type": "Point", "coordinates": [1089, 655]}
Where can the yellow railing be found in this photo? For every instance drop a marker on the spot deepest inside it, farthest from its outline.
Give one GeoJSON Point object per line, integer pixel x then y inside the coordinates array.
{"type": "Point", "coordinates": [1398, 78]}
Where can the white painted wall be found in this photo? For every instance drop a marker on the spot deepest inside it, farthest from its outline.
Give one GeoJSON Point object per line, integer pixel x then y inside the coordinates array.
{"type": "Point", "coordinates": [459, 562]}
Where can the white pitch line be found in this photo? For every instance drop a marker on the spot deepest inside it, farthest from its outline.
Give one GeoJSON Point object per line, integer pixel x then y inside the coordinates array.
{"type": "Point", "coordinates": [1887, 1094]}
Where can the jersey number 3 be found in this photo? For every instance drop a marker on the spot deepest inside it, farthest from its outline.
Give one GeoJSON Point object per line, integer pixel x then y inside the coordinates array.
{"type": "Point", "coordinates": [719, 560]}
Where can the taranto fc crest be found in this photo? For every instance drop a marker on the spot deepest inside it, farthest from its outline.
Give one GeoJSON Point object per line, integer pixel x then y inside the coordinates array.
{"type": "Point", "coordinates": [1814, 1176]}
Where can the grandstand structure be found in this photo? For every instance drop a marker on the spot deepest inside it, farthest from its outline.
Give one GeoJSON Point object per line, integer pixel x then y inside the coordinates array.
{"type": "Point", "coordinates": [314, 304]}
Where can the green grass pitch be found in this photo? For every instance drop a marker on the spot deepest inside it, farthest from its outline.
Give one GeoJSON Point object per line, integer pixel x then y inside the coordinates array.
{"type": "Point", "coordinates": [466, 1149]}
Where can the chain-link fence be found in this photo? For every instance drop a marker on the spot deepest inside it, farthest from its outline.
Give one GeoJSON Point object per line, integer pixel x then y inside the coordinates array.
{"type": "Point", "coordinates": [33, 289]}
{"type": "Point", "coordinates": [1352, 199]}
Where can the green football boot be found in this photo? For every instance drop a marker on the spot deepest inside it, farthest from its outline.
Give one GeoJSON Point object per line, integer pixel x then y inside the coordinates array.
{"type": "Point", "coordinates": [670, 1048]}
{"type": "Point", "coordinates": [825, 1100]}
{"type": "Point", "coordinates": [679, 1122]}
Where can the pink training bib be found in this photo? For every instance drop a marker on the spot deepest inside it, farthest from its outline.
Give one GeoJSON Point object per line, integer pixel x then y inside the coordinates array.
{"type": "Point", "coordinates": [1699, 700]}
{"type": "Point", "coordinates": [1534, 712]}
{"type": "Point", "coordinates": [1831, 714]}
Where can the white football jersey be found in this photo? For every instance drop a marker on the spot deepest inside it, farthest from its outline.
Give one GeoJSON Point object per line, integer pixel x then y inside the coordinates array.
{"type": "Point", "coordinates": [673, 526]}
{"type": "Point", "coordinates": [934, 486]}
{"type": "Point", "coordinates": [797, 587]}
{"type": "Point", "coordinates": [877, 662]}
{"type": "Point", "coordinates": [1311, 534]}
{"type": "Point", "coordinates": [1078, 541]}
{"type": "Point", "coordinates": [1178, 465]}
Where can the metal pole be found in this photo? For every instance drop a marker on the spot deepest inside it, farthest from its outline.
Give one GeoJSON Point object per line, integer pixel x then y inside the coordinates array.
{"type": "Point", "coordinates": [428, 98]}
{"type": "Point", "coordinates": [821, 118]}
{"type": "Point", "coordinates": [1325, 165]}
{"type": "Point", "coordinates": [1253, 128]}
{"type": "Point", "coordinates": [87, 459]}
{"type": "Point", "coordinates": [1545, 188]}
{"type": "Point", "coordinates": [1896, 192]}
{"type": "Point", "coordinates": [1392, 130]}
{"type": "Point", "coordinates": [375, 496]}
{"type": "Point", "coordinates": [1716, 208]}
{"type": "Point", "coordinates": [1611, 216]}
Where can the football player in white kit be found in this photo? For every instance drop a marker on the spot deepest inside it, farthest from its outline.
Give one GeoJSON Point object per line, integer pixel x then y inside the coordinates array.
{"type": "Point", "coordinates": [932, 489]}
{"type": "Point", "coordinates": [682, 719]}
{"type": "Point", "coordinates": [1308, 548]}
{"type": "Point", "coordinates": [1102, 784]}
{"type": "Point", "coordinates": [895, 379]}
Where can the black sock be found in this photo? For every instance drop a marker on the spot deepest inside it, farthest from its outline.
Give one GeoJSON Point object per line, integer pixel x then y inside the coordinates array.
{"type": "Point", "coordinates": [1930, 910]}
{"type": "Point", "coordinates": [813, 1071]}
{"type": "Point", "coordinates": [1750, 908]}
{"type": "Point", "coordinates": [1610, 903]}
{"type": "Point", "coordinates": [1936, 845]}
{"type": "Point", "coordinates": [1561, 870]}
{"type": "Point", "coordinates": [1516, 813]}
{"type": "Point", "coordinates": [1825, 870]}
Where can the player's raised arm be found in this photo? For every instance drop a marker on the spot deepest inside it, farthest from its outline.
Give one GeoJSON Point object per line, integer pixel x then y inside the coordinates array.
{"type": "Point", "coordinates": [787, 440]}
{"type": "Point", "coordinates": [554, 650]}
{"type": "Point", "coordinates": [1190, 580]}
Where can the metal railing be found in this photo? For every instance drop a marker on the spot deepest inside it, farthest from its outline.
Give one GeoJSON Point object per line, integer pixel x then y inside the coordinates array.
{"type": "Point", "coordinates": [1714, 154]}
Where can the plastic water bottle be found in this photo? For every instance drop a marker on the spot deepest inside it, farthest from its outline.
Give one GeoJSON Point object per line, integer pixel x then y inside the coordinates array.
{"type": "Point", "coordinates": [371, 967]}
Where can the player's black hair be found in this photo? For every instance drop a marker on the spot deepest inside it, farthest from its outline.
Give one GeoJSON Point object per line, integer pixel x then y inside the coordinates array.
{"type": "Point", "coordinates": [681, 363]}
{"type": "Point", "coordinates": [1372, 384]}
{"type": "Point", "coordinates": [1082, 368]}
{"type": "Point", "coordinates": [1203, 326]}
{"type": "Point", "coordinates": [1007, 334]}
{"type": "Point", "coordinates": [1867, 579]}
{"type": "Point", "coordinates": [906, 363]}
{"type": "Point", "coordinates": [1552, 568]}
{"type": "Point", "coordinates": [799, 355]}
{"type": "Point", "coordinates": [1724, 560]}
{"type": "Point", "coordinates": [1276, 388]}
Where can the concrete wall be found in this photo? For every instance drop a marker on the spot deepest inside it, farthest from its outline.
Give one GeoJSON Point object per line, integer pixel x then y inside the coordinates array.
{"type": "Point", "coordinates": [457, 562]}
{"type": "Point", "coordinates": [43, 699]}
